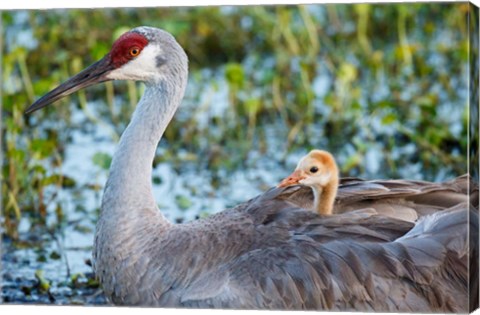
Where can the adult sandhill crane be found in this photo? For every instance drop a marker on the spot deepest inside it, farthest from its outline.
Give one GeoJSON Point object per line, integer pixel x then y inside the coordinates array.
{"type": "Point", "coordinates": [264, 253]}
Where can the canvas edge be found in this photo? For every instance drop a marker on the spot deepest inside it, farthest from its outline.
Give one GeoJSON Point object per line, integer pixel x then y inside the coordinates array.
{"type": "Point", "coordinates": [473, 150]}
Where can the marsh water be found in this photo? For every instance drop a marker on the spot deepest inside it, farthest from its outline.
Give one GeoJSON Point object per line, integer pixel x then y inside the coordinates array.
{"type": "Point", "coordinates": [266, 85]}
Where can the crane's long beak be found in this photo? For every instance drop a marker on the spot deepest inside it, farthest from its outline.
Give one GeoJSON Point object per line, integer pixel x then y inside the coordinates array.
{"type": "Point", "coordinates": [293, 179]}
{"type": "Point", "coordinates": [95, 73]}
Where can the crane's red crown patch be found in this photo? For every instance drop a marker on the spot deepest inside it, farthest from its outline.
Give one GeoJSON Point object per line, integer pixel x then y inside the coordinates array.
{"type": "Point", "coordinates": [120, 53]}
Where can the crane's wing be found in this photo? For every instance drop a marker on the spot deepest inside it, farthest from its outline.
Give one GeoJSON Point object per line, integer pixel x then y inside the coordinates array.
{"type": "Point", "coordinates": [327, 264]}
{"type": "Point", "coordinates": [268, 253]}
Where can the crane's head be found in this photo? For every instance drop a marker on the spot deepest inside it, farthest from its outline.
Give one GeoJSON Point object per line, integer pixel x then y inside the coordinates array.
{"type": "Point", "coordinates": [143, 54]}
{"type": "Point", "coordinates": [317, 169]}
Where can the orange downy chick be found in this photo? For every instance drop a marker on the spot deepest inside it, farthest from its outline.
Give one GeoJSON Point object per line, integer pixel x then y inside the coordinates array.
{"type": "Point", "coordinates": [317, 170]}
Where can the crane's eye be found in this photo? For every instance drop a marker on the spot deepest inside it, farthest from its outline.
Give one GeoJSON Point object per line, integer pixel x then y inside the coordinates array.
{"type": "Point", "coordinates": [134, 51]}
{"type": "Point", "coordinates": [314, 169]}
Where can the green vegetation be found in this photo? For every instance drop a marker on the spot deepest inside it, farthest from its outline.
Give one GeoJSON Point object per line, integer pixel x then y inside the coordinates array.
{"type": "Point", "coordinates": [383, 87]}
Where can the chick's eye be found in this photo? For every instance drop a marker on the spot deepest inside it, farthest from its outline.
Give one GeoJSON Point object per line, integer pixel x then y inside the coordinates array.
{"type": "Point", "coordinates": [314, 169]}
{"type": "Point", "coordinates": [134, 51]}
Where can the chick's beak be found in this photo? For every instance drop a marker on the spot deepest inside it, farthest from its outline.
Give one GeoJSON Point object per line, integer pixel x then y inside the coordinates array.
{"type": "Point", "coordinates": [95, 73]}
{"type": "Point", "coordinates": [293, 179]}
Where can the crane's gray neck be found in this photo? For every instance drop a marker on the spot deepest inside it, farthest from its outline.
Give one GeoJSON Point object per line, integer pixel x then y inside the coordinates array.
{"type": "Point", "coordinates": [129, 187]}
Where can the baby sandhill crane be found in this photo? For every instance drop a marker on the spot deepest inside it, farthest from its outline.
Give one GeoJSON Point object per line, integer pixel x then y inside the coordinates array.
{"type": "Point", "coordinates": [265, 253]}
{"type": "Point", "coordinates": [317, 170]}
{"type": "Point", "coordinates": [401, 199]}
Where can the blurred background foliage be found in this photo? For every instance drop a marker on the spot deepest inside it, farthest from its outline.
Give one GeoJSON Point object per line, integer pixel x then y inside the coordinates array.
{"type": "Point", "coordinates": [384, 87]}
